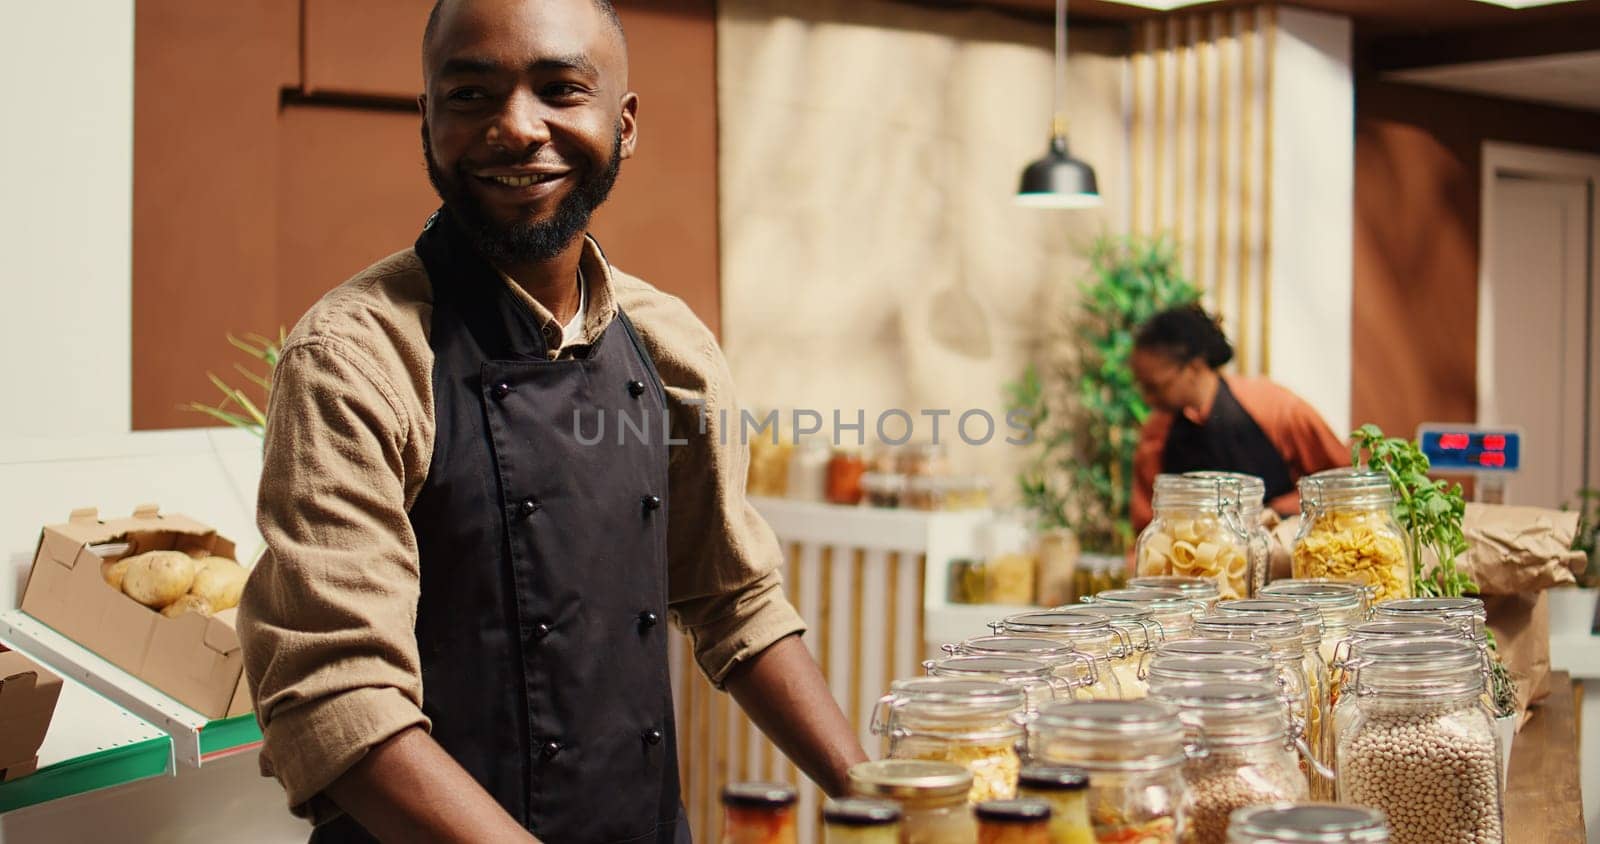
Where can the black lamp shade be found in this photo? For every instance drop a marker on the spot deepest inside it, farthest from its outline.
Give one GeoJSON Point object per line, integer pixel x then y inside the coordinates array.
{"type": "Point", "coordinates": [1059, 181]}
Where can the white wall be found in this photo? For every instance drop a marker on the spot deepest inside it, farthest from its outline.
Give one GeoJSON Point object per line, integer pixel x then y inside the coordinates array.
{"type": "Point", "coordinates": [1313, 178]}
{"type": "Point", "coordinates": [66, 225]}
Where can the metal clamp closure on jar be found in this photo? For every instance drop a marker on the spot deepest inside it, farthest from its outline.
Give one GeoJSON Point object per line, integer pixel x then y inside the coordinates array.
{"type": "Point", "coordinates": [1308, 823]}
{"type": "Point", "coordinates": [1036, 678]}
{"type": "Point", "coordinates": [950, 708]}
{"type": "Point", "coordinates": [1368, 592]}
{"type": "Point", "coordinates": [1123, 735]}
{"type": "Point", "coordinates": [1072, 625]}
{"type": "Point", "coordinates": [1308, 614]}
{"type": "Point", "coordinates": [1279, 631]}
{"type": "Point", "coordinates": [1412, 666]}
{"type": "Point", "coordinates": [1226, 714]}
{"type": "Point", "coordinates": [1215, 647]}
{"type": "Point", "coordinates": [1187, 668]}
{"type": "Point", "coordinates": [1466, 613]}
{"type": "Point", "coordinates": [1131, 621]}
{"type": "Point", "coordinates": [1384, 630]}
{"type": "Point", "coordinates": [1341, 604]}
{"type": "Point", "coordinates": [1060, 656]}
{"type": "Point", "coordinates": [1171, 608]}
{"type": "Point", "coordinates": [1219, 496]}
{"type": "Point", "coordinates": [1201, 590]}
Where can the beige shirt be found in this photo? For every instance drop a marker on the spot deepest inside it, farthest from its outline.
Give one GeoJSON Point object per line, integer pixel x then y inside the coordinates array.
{"type": "Point", "coordinates": [328, 617]}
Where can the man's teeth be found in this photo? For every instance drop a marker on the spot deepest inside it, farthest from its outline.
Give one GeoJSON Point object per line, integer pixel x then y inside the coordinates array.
{"type": "Point", "coordinates": [523, 181]}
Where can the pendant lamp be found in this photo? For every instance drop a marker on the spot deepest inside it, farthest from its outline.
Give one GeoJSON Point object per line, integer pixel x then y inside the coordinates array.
{"type": "Point", "coordinates": [1058, 180]}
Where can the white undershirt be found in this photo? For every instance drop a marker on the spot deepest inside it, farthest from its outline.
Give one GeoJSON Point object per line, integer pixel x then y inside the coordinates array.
{"type": "Point", "coordinates": [572, 332]}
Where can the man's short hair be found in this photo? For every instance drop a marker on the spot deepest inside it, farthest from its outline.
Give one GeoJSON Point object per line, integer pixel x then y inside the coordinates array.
{"type": "Point", "coordinates": [608, 11]}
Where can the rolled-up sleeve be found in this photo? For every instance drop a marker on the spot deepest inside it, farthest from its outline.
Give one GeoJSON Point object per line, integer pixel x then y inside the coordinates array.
{"type": "Point", "coordinates": [725, 580]}
{"type": "Point", "coordinates": [327, 619]}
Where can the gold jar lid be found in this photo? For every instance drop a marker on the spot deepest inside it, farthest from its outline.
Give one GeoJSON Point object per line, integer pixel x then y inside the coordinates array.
{"type": "Point", "coordinates": [910, 779]}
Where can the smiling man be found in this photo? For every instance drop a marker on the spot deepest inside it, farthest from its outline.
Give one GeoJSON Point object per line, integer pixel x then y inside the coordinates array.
{"type": "Point", "coordinates": [455, 633]}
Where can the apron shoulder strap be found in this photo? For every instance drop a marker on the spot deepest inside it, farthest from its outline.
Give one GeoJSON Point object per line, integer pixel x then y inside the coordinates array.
{"type": "Point", "coordinates": [644, 355]}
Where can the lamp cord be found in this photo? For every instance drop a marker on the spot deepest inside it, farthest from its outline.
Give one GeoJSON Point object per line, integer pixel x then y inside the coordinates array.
{"type": "Point", "coordinates": [1058, 125]}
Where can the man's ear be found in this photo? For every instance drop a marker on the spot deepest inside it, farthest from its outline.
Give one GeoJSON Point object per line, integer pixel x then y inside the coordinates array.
{"type": "Point", "coordinates": [629, 121]}
{"type": "Point", "coordinates": [422, 105]}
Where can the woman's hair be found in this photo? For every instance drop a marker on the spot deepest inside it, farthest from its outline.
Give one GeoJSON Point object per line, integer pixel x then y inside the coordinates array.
{"type": "Point", "coordinates": [1186, 333]}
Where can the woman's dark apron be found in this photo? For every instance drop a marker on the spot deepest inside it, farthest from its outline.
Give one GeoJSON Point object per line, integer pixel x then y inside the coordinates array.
{"type": "Point", "coordinates": [1228, 441]}
{"type": "Point", "coordinates": [542, 619]}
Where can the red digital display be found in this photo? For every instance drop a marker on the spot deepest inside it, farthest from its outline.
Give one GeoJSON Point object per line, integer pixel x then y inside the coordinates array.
{"type": "Point", "coordinates": [1459, 442]}
{"type": "Point", "coordinates": [1492, 458]}
{"type": "Point", "coordinates": [1494, 442]}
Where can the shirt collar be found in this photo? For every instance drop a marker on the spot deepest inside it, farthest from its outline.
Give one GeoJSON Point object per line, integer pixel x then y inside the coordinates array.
{"type": "Point", "coordinates": [602, 304]}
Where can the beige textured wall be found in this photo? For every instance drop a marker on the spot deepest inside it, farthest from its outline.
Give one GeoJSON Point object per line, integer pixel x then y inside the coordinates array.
{"type": "Point", "coordinates": [871, 254]}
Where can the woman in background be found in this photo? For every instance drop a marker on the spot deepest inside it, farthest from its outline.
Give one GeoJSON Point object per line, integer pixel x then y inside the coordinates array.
{"type": "Point", "coordinates": [1202, 419]}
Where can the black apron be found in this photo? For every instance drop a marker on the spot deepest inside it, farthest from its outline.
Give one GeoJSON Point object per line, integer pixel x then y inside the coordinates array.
{"type": "Point", "coordinates": [1228, 441]}
{"type": "Point", "coordinates": [542, 619]}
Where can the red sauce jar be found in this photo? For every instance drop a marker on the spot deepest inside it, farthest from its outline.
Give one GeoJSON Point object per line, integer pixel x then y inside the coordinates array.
{"type": "Point", "coordinates": [845, 469]}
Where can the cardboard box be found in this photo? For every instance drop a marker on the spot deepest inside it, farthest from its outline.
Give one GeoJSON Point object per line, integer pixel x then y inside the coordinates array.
{"type": "Point", "coordinates": [28, 695]}
{"type": "Point", "coordinates": [195, 659]}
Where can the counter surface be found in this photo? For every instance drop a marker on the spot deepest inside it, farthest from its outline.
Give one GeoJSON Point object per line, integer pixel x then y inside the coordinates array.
{"type": "Point", "coordinates": [1543, 801]}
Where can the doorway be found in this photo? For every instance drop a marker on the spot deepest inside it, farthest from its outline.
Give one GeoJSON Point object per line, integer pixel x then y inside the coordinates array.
{"type": "Point", "coordinates": [1538, 356]}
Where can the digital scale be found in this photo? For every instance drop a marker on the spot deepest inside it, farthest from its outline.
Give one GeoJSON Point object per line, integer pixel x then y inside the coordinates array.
{"type": "Point", "coordinates": [1490, 455]}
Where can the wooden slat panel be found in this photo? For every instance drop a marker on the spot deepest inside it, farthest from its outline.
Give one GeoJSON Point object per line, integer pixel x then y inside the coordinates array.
{"type": "Point", "coordinates": [1201, 88]}
{"type": "Point", "coordinates": [873, 636]}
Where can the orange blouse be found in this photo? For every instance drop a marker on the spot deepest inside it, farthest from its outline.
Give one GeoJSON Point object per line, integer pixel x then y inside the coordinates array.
{"type": "Point", "coordinates": [1295, 428]}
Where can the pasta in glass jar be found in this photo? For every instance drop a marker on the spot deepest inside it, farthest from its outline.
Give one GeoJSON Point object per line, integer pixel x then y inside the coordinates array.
{"type": "Point", "coordinates": [1250, 497]}
{"type": "Point", "coordinates": [1348, 531]}
{"type": "Point", "coordinates": [1196, 533]}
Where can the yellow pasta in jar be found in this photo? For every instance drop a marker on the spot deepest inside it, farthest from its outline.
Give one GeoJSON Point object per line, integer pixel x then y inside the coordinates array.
{"type": "Point", "coordinates": [1364, 547]}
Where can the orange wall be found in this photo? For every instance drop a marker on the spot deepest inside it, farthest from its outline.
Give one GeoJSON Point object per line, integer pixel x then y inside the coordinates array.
{"type": "Point", "coordinates": [1417, 205]}
{"type": "Point", "coordinates": [247, 209]}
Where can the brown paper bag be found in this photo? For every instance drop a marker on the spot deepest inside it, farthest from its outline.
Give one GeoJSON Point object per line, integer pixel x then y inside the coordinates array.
{"type": "Point", "coordinates": [1515, 550]}
{"type": "Point", "coordinates": [1521, 625]}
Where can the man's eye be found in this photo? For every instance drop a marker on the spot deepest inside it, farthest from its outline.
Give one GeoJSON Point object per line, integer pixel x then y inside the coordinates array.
{"type": "Point", "coordinates": [465, 95]}
{"type": "Point", "coordinates": [564, 91]}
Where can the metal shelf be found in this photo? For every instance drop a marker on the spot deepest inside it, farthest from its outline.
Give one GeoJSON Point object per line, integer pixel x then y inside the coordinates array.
{"type": "Point", "coordinates": [195, 739]}
{"type": "Point", "coordinates": [92, 744]}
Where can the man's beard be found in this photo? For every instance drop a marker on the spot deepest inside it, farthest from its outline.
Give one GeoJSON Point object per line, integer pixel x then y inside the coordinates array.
{"type": "Point", "coordinates": [519, 242]}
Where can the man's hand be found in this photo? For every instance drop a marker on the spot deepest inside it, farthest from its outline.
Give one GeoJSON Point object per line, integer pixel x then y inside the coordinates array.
{"type": "Point", "coordinates": [783, 692]}
{"type": "Point", "coordinates": [409, 789]}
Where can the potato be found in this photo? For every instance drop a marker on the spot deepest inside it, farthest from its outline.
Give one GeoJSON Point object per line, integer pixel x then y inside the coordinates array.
{"type": "Point", "coordinates": [220, 582]}
{"type": "Point", "coordinates": [114, 572]}
{"type": "Point", "coordinates": [157, 578]}
{"type": "Point", "coordinates": [188, 603]}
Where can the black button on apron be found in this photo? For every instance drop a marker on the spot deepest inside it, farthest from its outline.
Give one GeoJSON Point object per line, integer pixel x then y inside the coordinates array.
{"type": "Point", "coordinates": [652, 736]}
{"type": "Point", "coordinates": [550, 749]}
{"type": "Point", "coordinates": [636, 388]}
{"type": "Point", "coordinates": [651, 503]}
{"type": "Point", "coordinates": [541, 630]}
{"type": "Point", "coordinates": [647, 620]}
{"type": "Point", "coordinates": [528, 507]}
{"type": "Point", "coordinates": [500, 390]}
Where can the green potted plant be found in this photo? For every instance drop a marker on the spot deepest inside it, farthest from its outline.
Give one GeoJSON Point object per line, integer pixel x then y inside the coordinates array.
{"type": "Point", "coordinates": [236, 407]}
{"type": "Point", "coordinates": [1082, 401]}
{"type": "Point", "coordinates": [1431, 512]}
